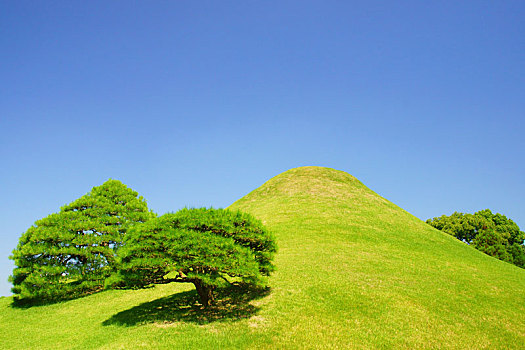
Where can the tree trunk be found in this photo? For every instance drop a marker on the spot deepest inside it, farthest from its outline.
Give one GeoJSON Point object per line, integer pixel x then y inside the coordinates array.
{"type": "Point", "coordinates": [205, 292]}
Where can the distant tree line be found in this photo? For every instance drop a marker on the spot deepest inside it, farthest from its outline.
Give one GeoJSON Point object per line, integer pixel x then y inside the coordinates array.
{"type": "Point", "coordinates": [493, 234]}
{"type": "Point", "coordinates": [109, 238]}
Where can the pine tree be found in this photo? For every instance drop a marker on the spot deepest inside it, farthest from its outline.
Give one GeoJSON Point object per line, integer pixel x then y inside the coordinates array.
{"type": "Point", "coordinates": [206, 247]}
{"type": "Point", "coordinates": [73, 251]}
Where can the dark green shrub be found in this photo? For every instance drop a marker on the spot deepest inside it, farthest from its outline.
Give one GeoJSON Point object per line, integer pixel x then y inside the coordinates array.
{"type": "Point", "coordinates": [493, 234]}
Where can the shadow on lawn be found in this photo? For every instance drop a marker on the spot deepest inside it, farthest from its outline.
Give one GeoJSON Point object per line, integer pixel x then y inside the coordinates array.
{"type": "Point", "coordinates": [232, 304]}
{"type": "Point", "coordinates": [27, 303]}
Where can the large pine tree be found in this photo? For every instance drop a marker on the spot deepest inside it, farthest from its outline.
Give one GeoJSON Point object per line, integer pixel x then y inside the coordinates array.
{"type": "Point", "coordinates": [73, 252]}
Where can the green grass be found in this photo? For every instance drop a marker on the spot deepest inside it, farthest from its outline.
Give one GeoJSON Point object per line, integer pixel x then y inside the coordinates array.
{"type": "Point", "coordinates": [354, 271]}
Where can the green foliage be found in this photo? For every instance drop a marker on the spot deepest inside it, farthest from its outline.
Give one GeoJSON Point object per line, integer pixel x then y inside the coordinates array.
{"type": "Point", "coordinates": [203, 246]}
{"type": "Point", "coordinates": [493, 244]}
{"type": "Point", "coordinates": [73, 251]}
{"type": "Point", "coordinates": [493, 234]}
{"type": "Point", "coordinates": [464, 227]}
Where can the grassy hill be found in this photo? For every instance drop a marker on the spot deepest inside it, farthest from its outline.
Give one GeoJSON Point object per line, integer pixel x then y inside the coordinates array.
{"type": "Point", "coordinates": [354, 271]}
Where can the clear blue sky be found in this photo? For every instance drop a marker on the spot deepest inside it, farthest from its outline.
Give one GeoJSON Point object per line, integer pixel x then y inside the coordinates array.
{"type": "Point", "coordinates": [198, 103]}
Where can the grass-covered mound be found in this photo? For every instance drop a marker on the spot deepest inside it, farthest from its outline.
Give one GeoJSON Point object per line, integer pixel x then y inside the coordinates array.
{"type": "Point", "coordinates": [353, 270]}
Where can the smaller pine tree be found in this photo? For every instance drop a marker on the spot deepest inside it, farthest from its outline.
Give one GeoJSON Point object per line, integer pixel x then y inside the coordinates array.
{"type": "Point", "coordinates": [206, 247]}
{"type": "Point", "coordinates": [74, 251]}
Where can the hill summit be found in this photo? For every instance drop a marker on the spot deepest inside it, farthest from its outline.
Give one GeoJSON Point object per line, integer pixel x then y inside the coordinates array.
{"type": "Point", "coordinates": [332, 196]}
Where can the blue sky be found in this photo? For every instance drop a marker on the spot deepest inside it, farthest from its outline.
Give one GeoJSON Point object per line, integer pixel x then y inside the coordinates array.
{"type": "Point", "coordinates": [198, 103]}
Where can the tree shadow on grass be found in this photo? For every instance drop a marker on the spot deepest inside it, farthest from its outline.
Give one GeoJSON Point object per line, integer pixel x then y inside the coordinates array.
{"type": "Point", "coordinates": [26, 303]}
{"type": "Point", "coordinates": [232, 304]}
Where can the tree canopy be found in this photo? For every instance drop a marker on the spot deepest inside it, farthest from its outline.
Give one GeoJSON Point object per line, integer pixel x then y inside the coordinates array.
{"type": "Point", "coordinates": [206, 247]}
{"type": "Point", "coordinates": [493, 234]}
{"type": "Point", "coordinates": [74, 251]}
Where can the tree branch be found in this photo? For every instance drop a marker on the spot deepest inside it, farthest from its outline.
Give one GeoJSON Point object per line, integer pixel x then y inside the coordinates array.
{"type": "Point", "coordinates": [176, 279]}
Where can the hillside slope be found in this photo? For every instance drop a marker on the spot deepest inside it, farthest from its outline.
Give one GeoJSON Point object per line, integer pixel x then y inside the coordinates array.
{"type": "Point", "coordinates": [354, 271]}
{"type": "Point", "coordinates": [359, 269]}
